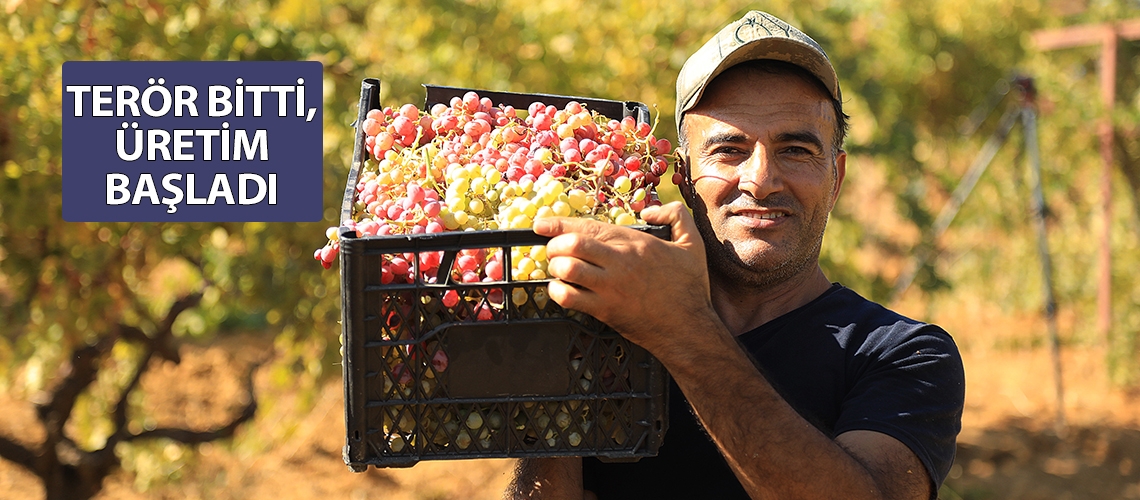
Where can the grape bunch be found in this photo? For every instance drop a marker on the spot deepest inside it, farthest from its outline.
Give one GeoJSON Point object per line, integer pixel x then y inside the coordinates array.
{"type": "Point", "coordinates": [472, 165]}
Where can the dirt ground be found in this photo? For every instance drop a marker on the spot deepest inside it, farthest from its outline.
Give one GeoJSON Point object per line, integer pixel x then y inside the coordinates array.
{"type": "Point", "coordinates": [1009, 447]}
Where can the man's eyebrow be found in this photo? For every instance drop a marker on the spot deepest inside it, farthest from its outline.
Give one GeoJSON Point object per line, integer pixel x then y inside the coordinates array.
{"type": "Point", "coordinates": [801, 136]}
{"type": "Point", "coordinates": [724, 138]}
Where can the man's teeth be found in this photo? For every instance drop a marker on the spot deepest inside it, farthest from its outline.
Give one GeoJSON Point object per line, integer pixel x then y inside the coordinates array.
{"type": "Point", "coordinates": [765, 216]}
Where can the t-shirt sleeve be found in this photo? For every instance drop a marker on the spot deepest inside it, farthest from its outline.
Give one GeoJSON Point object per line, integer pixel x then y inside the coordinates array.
{"type": "Point", "coordinates": [912, 390]}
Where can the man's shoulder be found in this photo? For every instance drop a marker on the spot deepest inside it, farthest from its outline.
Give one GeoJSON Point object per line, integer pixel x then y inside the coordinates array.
{"type": "Point", "coordinates": [842, 302]}
{"type": "Point", "coordinates": [858, 319]}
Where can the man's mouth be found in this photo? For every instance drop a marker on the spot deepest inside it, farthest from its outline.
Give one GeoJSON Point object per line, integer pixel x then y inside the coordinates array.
{"type": "Point", "coordinates": [759, 219]}
{"type": "Point", "coordinates": [767, 215]}
{"type": "Point", "coordinates": [754, 214]}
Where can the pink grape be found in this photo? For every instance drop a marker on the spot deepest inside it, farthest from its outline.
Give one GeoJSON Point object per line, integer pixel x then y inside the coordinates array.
{"type": "Point", "coordinates": [410, 111]}
{"type": "Point", "coordinates": [467, 263]}
{"type": "Point", "coordinates": [545, 138]}
{"type": "Point", "coordinates": [439, 360]}
{"type": "Point", "coordinates": [371, 127]}
{"type": "Point", "coordinates": [402, 374]}
{"type": "Point", "coordinates": [534, 167]}
{"type": "Point", "coordinates": [586, 146]}
{"type": "Point", "coordinates": [450, 298]}
{"type": "Point", "coordinates": [543, 122]}
{"type": "Point", "coordinates": [430, 259]}
{"type": "Point", "coordinates": [617, 141]}
{"type": "Point", "coordinates": [483, 313]}
{"type": "Point", "coordinates": [404, 126]}
{"type": "Point", "coordinates": [494, 269]}
{"type": "Point", "coordinates": [445, 124]}
{"type": "Point", "coordinates": [471, 101]}
{"type": "Point", "coordinates": [399, 266]}
{"type": "Point", "coordinates": [643, 130]}
{"type": "Point", "coordinates": [415, 193]}
{"type": "Point", "coordinates": [384, 141]}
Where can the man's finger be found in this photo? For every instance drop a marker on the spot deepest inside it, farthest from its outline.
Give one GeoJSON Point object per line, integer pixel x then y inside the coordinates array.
{"type": "Point", "coordinates": [581, 246]}
{"type": "Point", "coordinates": [570, 296]}
{"type": "Point", "coordinates": [677, 217]}
{"type": "Point", "coordinates": [554, 226]}
{"type": "Point", "coordinates": [575, 270]}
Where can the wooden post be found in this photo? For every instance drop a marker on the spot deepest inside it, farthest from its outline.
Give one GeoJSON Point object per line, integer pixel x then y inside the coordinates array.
{"type": "Point", "coordinates": [1108, 96]}
{"type": "Point", "coordinates": [1106, 35]}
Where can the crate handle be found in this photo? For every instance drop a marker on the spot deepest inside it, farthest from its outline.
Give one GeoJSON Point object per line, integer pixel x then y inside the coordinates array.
{"type": "Point", "coordinates": [443, 275]}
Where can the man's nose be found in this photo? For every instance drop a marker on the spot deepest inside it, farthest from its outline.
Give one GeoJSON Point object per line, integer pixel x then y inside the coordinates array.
{"type": "Point", "coordinates": [758, 175]}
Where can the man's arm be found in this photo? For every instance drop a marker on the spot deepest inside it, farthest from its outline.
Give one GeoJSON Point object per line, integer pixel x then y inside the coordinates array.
{"type": "Point", "coordinates": [546, 479]}
{"type": "Point", "coordinates": [773, 451]}
{"type": "Point", "coordinates": [616, 275]}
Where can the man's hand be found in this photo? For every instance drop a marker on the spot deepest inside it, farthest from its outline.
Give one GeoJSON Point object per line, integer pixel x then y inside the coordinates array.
{"type": "Point", "coordinates": [638, 284]}
{"type": "Point", "coordinates": [547, 479]}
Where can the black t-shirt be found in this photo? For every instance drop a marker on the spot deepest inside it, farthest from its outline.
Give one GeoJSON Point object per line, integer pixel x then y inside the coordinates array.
{"type": "Point", "coordinates": [844, 363]}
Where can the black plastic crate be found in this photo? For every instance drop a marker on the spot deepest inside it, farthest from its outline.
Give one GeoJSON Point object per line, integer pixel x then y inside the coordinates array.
{"type": "Point", "coordinates": [503, 372]}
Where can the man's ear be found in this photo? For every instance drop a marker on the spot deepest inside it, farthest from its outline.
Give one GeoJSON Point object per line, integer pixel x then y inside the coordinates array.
{"type": "Point", "coordinates": [840, 174]}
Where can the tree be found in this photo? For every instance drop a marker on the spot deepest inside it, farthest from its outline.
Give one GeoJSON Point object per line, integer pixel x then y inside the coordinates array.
{"type": "Point", "coordinates": [96, 298]}
{"type": "Point", "coordinates": [70, 472]}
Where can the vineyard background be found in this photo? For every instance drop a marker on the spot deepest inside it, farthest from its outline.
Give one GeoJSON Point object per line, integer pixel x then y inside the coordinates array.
{"type": "Point", "coordinates": [911, 73]}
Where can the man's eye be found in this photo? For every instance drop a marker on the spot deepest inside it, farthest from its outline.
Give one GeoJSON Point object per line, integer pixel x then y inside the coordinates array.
{"type": "Point", "coordinates": [798, 151]}
{"type": "Point", "coordinates": [726, 150]}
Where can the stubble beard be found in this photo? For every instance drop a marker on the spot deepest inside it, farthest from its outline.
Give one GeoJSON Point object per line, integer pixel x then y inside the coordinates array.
{"type": "Point", "coordinates": [729, 271]}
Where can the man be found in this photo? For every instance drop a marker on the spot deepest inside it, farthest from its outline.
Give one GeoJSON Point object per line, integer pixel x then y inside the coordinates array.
{"type": "Point", "coordinates": [800, 388]}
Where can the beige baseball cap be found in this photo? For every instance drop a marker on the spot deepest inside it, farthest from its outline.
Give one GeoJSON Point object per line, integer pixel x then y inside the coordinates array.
{"type": "Point", "coordinates": [757, 35]}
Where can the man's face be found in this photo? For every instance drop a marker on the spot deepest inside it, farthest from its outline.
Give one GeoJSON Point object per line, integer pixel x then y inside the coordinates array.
{"type": "Point", "coordinates": [764, 173]}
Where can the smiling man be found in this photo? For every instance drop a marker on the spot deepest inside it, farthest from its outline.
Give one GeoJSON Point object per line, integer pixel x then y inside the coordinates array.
{"type": "Point", "coordinates": [785, 385]}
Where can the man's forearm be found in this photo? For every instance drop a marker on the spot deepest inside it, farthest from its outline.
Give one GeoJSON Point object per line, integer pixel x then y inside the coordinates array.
{"type": "Point", "coordinates": [546, 479]}
{"type": "Point", "coordinates": [773, 451]}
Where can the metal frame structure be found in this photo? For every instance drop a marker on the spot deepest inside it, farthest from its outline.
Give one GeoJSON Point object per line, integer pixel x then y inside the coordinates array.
{"type": "Point", "coordinates": [1026, 112]}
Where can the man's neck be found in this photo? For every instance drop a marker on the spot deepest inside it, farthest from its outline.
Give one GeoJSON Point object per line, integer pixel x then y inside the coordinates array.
{"type": "Point", "coordinates": [743, 309]}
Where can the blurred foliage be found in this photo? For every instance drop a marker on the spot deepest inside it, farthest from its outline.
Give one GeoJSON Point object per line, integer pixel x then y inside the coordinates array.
{"type": "Point", "coordinates": [911, 73]}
